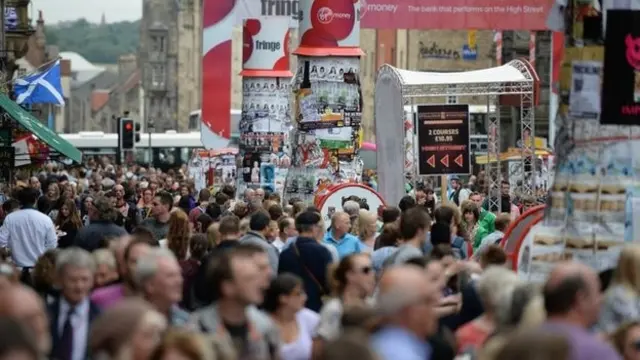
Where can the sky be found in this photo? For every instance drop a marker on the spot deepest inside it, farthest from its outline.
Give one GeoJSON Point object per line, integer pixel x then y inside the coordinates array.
{"type": "Point", "coordinates": [55, 11]}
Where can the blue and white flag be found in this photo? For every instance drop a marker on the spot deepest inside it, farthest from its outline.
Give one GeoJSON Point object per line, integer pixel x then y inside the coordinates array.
{"type": "Point", "coordinates": [40, 87]}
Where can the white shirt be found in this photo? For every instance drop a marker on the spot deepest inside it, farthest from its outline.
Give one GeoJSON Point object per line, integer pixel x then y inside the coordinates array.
{"type": "Point", "coordinates": [80, 323]}
{"type": "Point", "coordinates": [278, 243]}
{"type": "Point", "coordinates": [28, 233]}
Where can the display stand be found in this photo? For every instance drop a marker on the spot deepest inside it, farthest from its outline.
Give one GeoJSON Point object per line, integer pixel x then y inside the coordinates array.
{"type": "Point", "coordinates": [327, 98]}
{"type": "Point", "coordinates": [591, 212]}
{"type": "Point", "coordinates": [266, 116]}
{"type": "Point", "coordinates": [515, 82]}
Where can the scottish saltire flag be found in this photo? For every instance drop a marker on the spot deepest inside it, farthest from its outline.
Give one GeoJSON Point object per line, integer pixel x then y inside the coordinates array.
{"type": "Point", "coordinates": [40, 87]}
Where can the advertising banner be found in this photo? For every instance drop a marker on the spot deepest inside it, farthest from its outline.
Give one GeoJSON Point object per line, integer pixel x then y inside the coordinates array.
{"type": "Point", "coordinates": [443, 139]}
{"type": "Point", "coordinates": [415, 14]}
{"type": "Point", "coordinates": [621, 80]}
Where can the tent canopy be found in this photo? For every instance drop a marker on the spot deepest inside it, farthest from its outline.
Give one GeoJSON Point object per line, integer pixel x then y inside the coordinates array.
{"type": "Point", "coordinates": [509, 72]}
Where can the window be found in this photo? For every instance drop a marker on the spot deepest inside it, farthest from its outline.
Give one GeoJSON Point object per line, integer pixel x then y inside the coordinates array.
{"type": "Point", "coordinates": [194, 121]}
{"type": "Point", "coordinates": [157, 75]}
{"type": "Point", "coordinates": [158, 43]}
{"type": "Point", "coordinates": [452, 99]}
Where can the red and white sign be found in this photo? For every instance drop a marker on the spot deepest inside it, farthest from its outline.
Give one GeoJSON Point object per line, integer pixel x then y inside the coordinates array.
{"type": "Point", "coordinates": [455, 14]}
{"type": "Point", "coordinates": [265, 47]}
{"type": "Point", "coordinates": [217, 26]}
{"type": "Point", "coordinates": [332, 201]}
{"type": "Point", "coordinates": [330, 24]}
{"type": "Point", "coordinates": [418, 14]}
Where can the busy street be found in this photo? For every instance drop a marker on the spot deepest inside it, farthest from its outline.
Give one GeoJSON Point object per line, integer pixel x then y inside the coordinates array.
{"type": "Point", "coordinates": [319, 180]}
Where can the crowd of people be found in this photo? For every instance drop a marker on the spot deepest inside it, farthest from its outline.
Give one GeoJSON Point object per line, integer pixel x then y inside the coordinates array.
{"type": "Point", "coordinates": [108, 263]}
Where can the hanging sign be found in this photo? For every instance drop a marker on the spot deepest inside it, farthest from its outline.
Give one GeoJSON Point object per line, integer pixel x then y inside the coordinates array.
{"type": "Point", "coordinates": [621, 80]}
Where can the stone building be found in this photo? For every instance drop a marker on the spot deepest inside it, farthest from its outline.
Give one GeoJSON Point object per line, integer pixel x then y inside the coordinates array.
{"type": "Point", "coordinates": [99, 94]}
{"type": "Point", "coordinates": [170, 57]}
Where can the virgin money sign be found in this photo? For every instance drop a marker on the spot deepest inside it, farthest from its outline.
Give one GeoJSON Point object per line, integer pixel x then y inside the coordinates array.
{"type": "Point", "coordinates": [421, 14]}
{"type": "Point", "coordinates": [455, 14]}
{"type": "Point", "coordinates": [330, 23]}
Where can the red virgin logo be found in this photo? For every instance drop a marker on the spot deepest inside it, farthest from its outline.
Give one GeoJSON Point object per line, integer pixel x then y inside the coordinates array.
{"type": "Point", "coordinates": [633, 51]}
{"type": "Point", "coordinates": [325, 15]}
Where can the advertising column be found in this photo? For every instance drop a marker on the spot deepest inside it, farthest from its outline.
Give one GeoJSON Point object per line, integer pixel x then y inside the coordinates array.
{"type": "Point", "coordinates": [266, 116]}
{"type": "Point", "coordinates": [327, 98]}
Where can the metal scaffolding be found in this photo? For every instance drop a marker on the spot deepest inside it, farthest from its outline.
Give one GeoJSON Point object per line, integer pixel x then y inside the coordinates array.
{"type": "Point", "coordinates": [397, 87]}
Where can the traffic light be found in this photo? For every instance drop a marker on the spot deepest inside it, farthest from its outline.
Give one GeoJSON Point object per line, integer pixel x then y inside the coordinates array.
{"type": "Point", "coordinates": [127, 134]}
{"type": "Point", "coordinates": [137, 137]}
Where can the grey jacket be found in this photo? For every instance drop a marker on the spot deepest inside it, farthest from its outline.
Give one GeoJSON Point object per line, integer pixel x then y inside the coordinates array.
{"type": "Point", "coordinates": [256, 238]}
{"type": "Point", "coordinates": [264, 338]}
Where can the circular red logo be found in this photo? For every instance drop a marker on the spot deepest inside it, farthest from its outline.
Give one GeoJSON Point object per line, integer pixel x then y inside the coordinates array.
{"type": "Point", "coordinates": [325, 15]}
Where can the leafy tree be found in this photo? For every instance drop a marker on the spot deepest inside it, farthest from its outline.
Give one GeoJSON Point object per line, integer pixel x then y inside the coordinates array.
{"type": "Point", "coordinates": [98, 43]}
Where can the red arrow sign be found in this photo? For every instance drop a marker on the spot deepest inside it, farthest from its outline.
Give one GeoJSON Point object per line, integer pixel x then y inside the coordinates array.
{"type": "Point", "coordinates": [445, 160]}
{"type": "Point", "coordinates": [432, 161]}
{"type": "Point", "coordinates": [459, 160]}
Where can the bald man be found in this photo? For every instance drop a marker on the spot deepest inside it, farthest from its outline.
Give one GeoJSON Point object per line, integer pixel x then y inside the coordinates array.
{"type": "Point", "coordinates": [249, 195]}
{"type": "Point", "coordinates": [339, 236]}
{"type": "Point", "coordinates": [24, 305]}
{"type": "Point", "coordinates": [572, 301]}
{"type": "Point", "coordinates": [407, 300]}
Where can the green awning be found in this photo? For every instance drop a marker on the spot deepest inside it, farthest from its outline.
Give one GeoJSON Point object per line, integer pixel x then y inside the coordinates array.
{"type": "Point", "coordinates": [38, 129]}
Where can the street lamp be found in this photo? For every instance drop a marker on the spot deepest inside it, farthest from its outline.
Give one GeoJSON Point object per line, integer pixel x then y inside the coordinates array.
{"type": "Point", "coordinates": [150, 128]}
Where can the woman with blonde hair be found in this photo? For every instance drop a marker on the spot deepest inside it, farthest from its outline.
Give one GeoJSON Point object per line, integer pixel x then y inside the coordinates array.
{"type": "Point", "coordinates": [367, 228]}
{"type": "Point", "coordinates": [179, 234]}
{"type": "Point", "coordinates": [129, 330]}
{"type": "Point", "coordinates": [622, 299]}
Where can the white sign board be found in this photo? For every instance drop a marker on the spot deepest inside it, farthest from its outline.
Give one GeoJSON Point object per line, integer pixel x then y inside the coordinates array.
{"type": "Point", "coordinates": [333, 201]}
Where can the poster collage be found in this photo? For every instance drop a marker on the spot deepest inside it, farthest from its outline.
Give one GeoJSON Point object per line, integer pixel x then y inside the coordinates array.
{"type": "Point", "coordinates": [327, 125]}
{"type": "Point", "coordinates": [265, 128]}
{"type": "Point", "coordinates": [214, 168]}
{"type": "Point", "coordinates": [596, 190]}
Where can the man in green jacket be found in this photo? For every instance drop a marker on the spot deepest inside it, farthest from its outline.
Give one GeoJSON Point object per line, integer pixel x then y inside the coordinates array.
{"type": "Point", "coordinates": [487, 219]}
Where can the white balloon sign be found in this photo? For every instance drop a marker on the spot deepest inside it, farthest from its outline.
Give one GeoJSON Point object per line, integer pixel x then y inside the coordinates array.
{"type": "Point", "coordinates": [332, 202]}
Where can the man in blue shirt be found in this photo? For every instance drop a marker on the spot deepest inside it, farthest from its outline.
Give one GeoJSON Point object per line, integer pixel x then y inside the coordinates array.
{"type": "Point", "coordinates": [339, 236]}
{"type": "Point", "coordinates": [408, 301]}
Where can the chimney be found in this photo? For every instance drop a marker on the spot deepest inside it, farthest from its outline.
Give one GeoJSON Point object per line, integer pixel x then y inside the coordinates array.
{"type": "Point", "coordinates": [127, 64]}
{"type": "Point", "coordinates": [65, 67]}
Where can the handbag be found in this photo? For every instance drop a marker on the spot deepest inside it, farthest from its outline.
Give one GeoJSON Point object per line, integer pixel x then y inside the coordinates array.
{"type": "Point", "coordinates": [324, 296]}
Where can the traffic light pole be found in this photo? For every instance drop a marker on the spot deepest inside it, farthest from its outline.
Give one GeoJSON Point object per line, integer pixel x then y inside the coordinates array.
{"type": "Point", "coordinates": [119, 147]}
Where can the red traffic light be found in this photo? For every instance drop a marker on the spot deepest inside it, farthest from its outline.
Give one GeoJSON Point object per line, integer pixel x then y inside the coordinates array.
{"type": "Point", "coordinates": [128, 126]}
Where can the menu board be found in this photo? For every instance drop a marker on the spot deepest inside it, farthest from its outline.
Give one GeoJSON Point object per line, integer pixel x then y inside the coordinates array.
{"type": "Point", "coordinates": [443, 139]}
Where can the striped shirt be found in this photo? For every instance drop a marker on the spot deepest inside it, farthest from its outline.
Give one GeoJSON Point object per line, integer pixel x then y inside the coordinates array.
{"type": "Point", "coordinates": [28, 233]}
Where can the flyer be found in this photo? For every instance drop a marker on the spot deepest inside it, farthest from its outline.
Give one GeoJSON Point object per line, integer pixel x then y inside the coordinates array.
{"type": "Point", "coordinates": [584, 101]}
